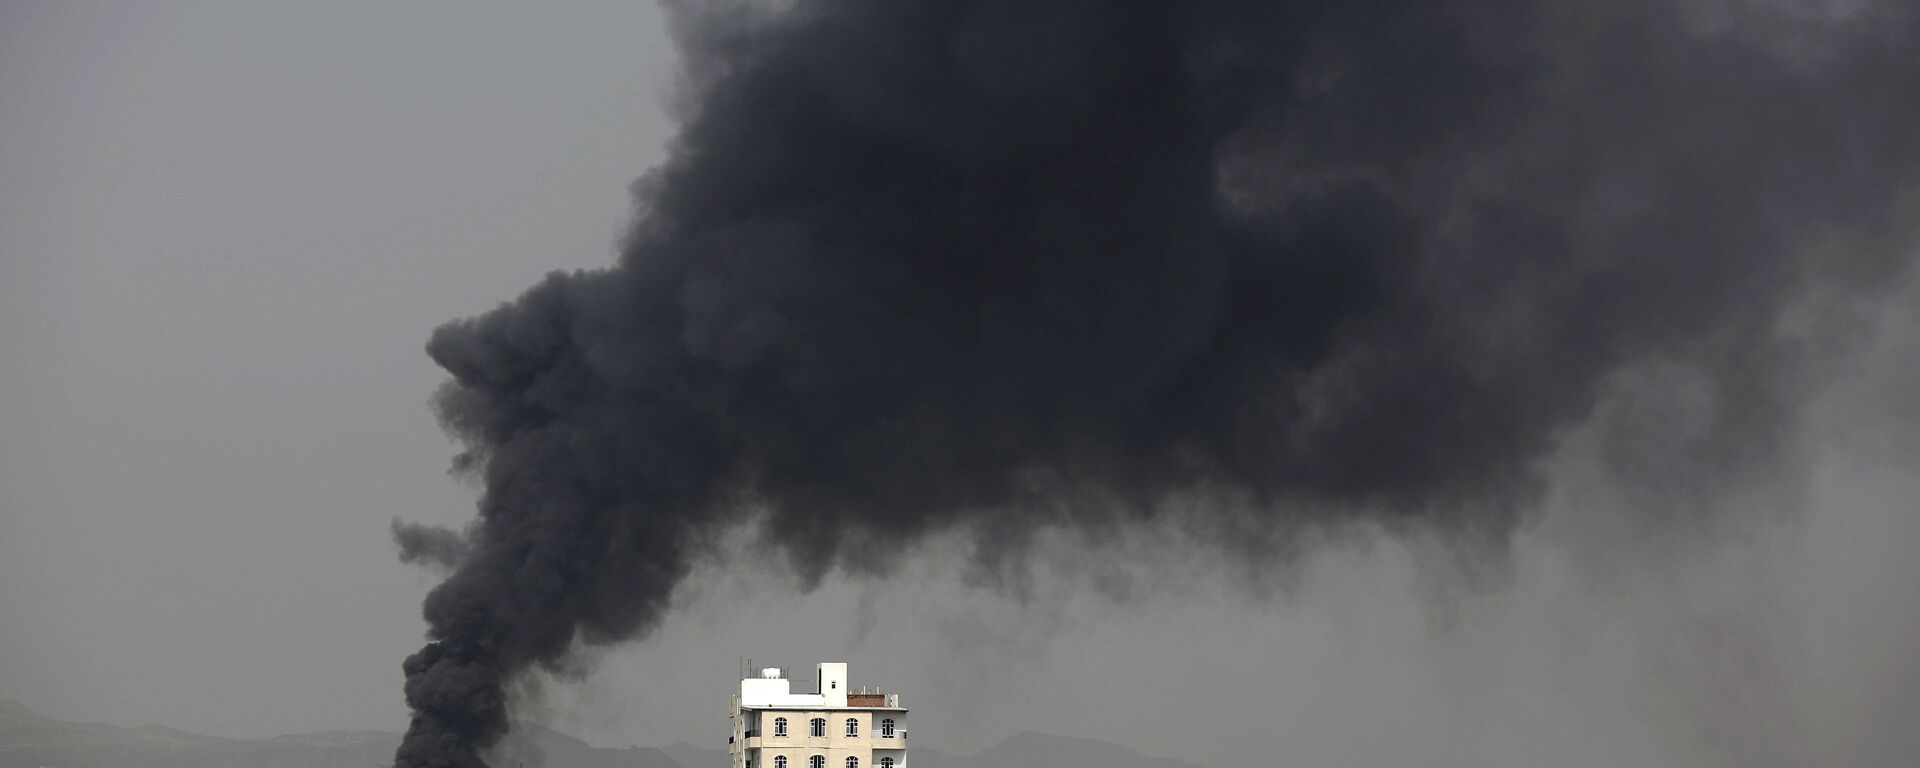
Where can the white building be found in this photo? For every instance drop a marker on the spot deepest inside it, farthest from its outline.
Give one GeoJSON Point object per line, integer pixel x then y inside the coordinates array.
{"type": "Point", "coordinates": [835, 726]}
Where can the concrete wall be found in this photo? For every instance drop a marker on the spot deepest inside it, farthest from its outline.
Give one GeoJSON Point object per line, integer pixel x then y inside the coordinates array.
{"type": "Point", "coordinates": [761, 692]}
{"type": "Point", "coordinates": [833, 683]}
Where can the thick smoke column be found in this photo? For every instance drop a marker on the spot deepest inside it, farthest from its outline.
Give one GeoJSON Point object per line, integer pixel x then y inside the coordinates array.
{"type": "Point", "coordinates": [1006, 265]}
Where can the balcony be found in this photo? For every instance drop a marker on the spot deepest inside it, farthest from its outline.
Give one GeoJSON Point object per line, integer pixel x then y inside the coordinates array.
{"type": "Point", "coordinates": [753, 739]}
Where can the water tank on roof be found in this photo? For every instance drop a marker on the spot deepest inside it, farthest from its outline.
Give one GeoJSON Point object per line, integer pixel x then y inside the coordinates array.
{"type": "Point", "coordinates": [770, 673]}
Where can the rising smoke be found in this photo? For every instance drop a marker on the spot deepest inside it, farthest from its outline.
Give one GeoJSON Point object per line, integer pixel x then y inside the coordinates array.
{"type": "Point", "coordinates": [1003, 266]}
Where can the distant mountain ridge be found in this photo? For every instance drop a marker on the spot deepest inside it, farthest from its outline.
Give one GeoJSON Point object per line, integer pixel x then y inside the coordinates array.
{"type": "Point", "coordinates": [1039, 750]}
{"type": "Point", "coordinates": [28, 740]}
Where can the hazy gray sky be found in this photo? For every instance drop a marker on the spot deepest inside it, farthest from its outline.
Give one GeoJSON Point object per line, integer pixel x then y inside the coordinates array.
{"type": "Point", "coordinates": [227, 229]}
{"type": "Point", "coordinates": [225, 232]}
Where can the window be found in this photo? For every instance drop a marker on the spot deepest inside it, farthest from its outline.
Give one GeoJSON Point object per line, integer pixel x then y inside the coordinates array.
{"type": "Point", "coordinates": [817, 761]}
{"type": "Point", "coordinates": [819, 728]}
{"type": "Point", "coordinates": [853, 762]}
{"type": "Point", "coordinates": [853, 729]}
{"type": "Point", "coordinates": [885, 762]}
{"type": "Point", "coordinates": [886, 730]}
{"type": "Point", "coordinates": [780, 729]}
{"type": "Point", "coordinates": [780, 761]}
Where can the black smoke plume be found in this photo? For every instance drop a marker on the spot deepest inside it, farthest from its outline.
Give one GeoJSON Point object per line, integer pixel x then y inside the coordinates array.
{"type": "Point", "coordinates": [1003, 265]}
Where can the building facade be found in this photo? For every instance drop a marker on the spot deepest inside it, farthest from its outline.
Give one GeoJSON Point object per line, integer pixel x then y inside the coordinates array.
{"type": "Point", "coordinates": [835, 726]}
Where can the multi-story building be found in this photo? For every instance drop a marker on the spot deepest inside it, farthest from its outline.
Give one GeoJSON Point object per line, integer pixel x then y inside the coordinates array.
{"type": "Point", "coordinates": [833, 727]}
